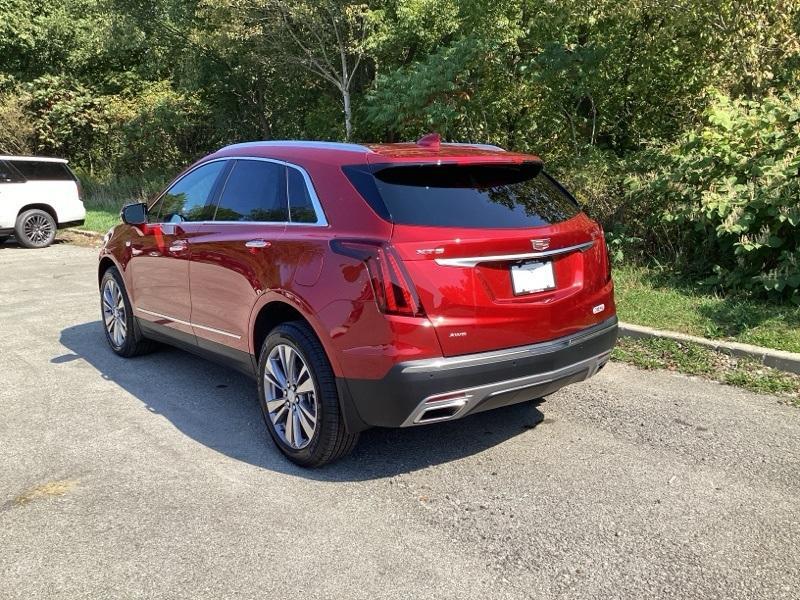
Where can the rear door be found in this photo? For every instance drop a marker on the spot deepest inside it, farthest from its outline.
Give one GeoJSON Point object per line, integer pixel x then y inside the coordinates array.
{"type": "Point", "coordinates": [499, 254]}
{"type": "Point", "coordinates": [237, 256]}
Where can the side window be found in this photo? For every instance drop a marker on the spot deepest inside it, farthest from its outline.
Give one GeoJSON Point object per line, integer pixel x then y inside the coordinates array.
{"type": "Point", "coordinates": [301, 209]}
{"type": "Point", "coordinates": [8, 174]}
{"type": "Point", "coordinates": [42, 171]}
{"type": "Point", "coordinates": [187, 200]}
{"type": "Point", "coordinates": [255, 191]}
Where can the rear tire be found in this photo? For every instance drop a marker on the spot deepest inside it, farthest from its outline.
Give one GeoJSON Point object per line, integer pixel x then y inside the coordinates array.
{"type": "Point", "coordinates": [298, 397]}
{"type": "Point", "coordinates": [120, 326]}
{"type": "Point", "coordinates": [35, 228]}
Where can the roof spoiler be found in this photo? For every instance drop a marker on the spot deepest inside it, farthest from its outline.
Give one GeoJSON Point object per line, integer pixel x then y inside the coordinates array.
{"type": "Point", "coordinates": [434, 142]}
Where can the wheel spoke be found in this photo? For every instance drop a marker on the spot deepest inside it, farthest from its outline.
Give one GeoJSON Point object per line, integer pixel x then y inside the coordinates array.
{"type": "Point", "coordinates": [274, 375]}
{"type": "Point", "coordinates": [289, 428]}
{"type": "Point", "coordinates": [287, 356]}
{"type": "Point", "coordinates": [297, 428]}
{"type": "Point", "coordinates": [276, 404]}
{"type": "Point", "coordinates": [307, 422]}
{"type": "Point", "coordinates": [306, 387]}
{"type": "Point", "coordinates": [278, 415]}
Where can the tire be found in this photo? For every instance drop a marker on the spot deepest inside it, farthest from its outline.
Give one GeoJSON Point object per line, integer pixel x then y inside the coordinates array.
{"type": "Point", "coordinates": [35, 228]}
{"type": "Point", "coordinates": [329, 439]}
{"type": "Point", "coordinates": [120, 326]}
{"type": "Point", "coordinates": [3, 238]}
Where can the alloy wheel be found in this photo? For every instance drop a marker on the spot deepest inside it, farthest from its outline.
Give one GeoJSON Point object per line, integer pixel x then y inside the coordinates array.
{"type": "Point", "coordinates": [38, 228]}
{"type": "Point", "coordinates": [114, 313]}
{"type": "Point", "coordinates": [291, 396]}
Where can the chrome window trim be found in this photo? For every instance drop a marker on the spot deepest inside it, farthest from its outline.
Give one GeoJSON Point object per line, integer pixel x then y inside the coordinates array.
{"type": "Point", "coordinates": [321, 221]}
{"type": "Point", "coordinates": [471, 261]}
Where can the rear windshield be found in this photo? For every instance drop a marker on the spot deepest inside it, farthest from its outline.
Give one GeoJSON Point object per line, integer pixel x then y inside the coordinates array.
{"type": "Point", "coordinates": [481, 196]}
{"type": "Point", "coordinates": [43, 171]}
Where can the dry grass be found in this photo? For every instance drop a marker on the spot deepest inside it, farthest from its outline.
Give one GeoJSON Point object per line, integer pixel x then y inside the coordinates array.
{"type": "Point", "coordinates": [45, 490]}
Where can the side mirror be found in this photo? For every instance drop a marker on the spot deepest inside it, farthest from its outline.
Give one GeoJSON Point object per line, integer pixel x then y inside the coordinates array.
{"type": "Point", "coordinates": [134, 214]}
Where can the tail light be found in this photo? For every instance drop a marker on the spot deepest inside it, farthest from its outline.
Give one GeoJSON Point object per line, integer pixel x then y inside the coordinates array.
{"type": "Point", "coordinates": [394, 292]}
{"type": "Point", "coordinates": [606, 258]}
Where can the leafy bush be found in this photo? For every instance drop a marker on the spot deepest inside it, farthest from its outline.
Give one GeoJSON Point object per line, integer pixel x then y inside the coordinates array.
{"type": "Point", "coordinates": [16, 129]}
{"type": "Point", "coordinates": [730, 194]}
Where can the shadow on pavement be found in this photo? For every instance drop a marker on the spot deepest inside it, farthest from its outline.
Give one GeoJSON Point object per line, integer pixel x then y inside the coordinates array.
{"type": "Point", "coordinates": [218, 408]}
{"type": "Point", "coordinates": [11, 244]}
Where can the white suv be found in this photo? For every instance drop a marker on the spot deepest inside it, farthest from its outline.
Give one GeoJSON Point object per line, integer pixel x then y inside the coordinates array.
{"type": "Point", "coordinates": [37, 196]}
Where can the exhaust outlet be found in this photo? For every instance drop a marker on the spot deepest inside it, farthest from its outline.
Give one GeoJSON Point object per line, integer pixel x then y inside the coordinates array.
{"type": "Point", "coordinates": [441, 409]}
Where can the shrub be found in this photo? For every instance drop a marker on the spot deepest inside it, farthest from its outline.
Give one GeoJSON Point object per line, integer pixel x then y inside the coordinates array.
{"type": "Point", "coordinates": [730, 194]}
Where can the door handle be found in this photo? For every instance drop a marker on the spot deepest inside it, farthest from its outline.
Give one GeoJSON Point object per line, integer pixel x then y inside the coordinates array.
{"type": "Point", "coordinates": [258, 244]}
{"type": "Point", "coordinates": [178, 246]}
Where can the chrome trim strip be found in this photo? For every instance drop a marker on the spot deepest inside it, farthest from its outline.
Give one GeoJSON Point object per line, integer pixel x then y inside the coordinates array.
{"type": "Point", "coordinates": [471, 145]}
{"type": "Point", "coordinates": [472, 261]}
{"type": "Point", "coordinates": [187, 323]}
{"type": "Point", "coordinates": [426, 365]}
{"type": "Point", "coordinates": [475, 395]}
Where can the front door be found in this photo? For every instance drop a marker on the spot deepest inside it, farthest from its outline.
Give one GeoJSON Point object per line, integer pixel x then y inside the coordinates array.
{"type": "Point", "coordinates": [160, 250]}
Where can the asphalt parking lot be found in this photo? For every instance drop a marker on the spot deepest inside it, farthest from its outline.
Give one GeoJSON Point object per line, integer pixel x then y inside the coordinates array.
{"type": "Point", "coordinates": [154, 478]}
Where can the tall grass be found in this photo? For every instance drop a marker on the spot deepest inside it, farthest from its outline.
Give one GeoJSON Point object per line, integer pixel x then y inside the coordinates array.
{"type": "Point", "coordinates": [111, 194]}
{"type": "Point", "coordinates": [105, 196]}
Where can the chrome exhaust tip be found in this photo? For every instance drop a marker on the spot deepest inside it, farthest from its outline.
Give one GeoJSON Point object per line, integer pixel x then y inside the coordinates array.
{"type": "Point", "coordinates": [435, 409]}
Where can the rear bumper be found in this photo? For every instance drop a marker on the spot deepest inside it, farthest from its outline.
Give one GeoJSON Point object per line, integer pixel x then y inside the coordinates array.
{"type": "Point", "coordinates": [440, 389]}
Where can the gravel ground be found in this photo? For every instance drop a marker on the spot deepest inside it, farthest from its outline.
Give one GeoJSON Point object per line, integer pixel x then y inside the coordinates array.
{"type": "Point", "coordinates": [154, 478]}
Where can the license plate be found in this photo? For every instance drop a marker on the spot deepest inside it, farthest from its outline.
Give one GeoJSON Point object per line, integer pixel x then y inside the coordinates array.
{"type": "Point", "coordinates": [534, 276]}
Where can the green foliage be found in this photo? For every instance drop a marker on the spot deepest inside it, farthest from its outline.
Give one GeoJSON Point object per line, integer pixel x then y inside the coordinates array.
{"type": "Point", "coordinates": [730, 194]}
{"type": "Point", "coordinates": [68, 120]}
{"type": "Point", "coordinates": [612, 94]}
{"type": "Point", "coordinates": [16, 128]}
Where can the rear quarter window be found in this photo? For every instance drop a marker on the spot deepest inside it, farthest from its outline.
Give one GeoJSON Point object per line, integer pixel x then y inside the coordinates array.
{"type": "Point", "coordinates": [8, 174]}
{"type": "Point", "coordinates": [471, 196]}
{"type": "Point", "coordinates": [43, 171]}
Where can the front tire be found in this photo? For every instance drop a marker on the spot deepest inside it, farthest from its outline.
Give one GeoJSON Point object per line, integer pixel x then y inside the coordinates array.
{"type": "Point", "coordinates": [122, 331]}
{"type": "Point", "coordinates": [35, 228]}
{"type": "Point", "coordinates": [298, 397]}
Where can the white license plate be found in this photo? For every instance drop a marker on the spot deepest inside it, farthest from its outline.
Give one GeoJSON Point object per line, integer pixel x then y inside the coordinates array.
{"type": "Point", "coordinates": [534, 276]}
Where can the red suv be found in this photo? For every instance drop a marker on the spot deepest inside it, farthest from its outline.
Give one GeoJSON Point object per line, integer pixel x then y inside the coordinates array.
{"type": "Point", "coordinates": [386, 285]}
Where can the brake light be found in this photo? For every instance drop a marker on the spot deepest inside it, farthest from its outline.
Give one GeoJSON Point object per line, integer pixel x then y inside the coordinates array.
{"type": "Point", "coordinates": [606, 257]}
{"type": "Point", "coordinates": [393, 289]}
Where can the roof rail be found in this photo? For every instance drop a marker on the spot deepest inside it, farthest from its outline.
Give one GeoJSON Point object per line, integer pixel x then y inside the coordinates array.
{"type": "Point", "coordinates": [33, 158]}
{"type": "Point", "coordinates": [348, 147]}
{"type": "Point", "coordinates": [481, 146]}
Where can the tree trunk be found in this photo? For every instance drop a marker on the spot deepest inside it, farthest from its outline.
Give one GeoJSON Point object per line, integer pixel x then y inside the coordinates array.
{"type": "Point", "coordinates": [348, 116]}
